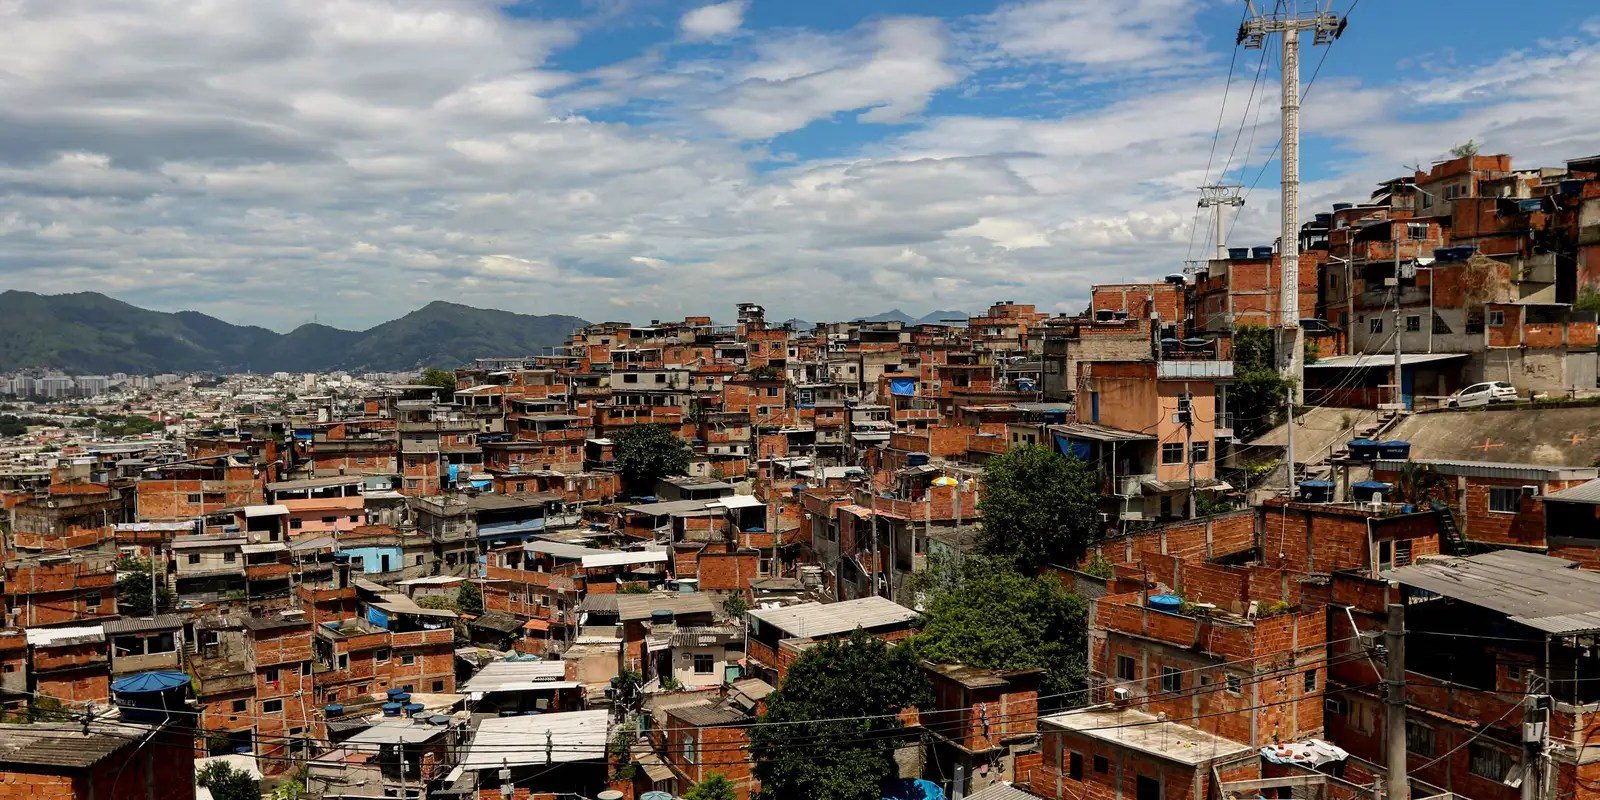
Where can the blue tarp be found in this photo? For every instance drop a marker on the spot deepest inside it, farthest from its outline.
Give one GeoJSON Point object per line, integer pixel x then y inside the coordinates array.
{"type": "Point", "coordinates": [161, 681]}
{"type": "Point", "coordinates": [1077, 448]}
{"type": "Point", "coordinates": [913, 789]}
{"type": "Point", "coordinates": [378, 617]}
{"type": "Point", "coordinates": [904, 387]}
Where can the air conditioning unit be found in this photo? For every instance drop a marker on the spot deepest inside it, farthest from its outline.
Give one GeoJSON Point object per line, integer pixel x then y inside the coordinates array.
{"type": "Point", "coordinates": [1121, 694]}
{"type": "Point", "coordinates": [1530, 490]}
{"type": "Point", "coordinates": [1335, 705]}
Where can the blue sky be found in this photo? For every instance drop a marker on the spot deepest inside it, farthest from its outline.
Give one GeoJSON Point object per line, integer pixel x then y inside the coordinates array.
{"type": "Point", "coordinates": [271, 162]}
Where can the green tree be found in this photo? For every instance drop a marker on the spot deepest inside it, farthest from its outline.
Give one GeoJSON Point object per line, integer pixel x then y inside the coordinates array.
{"type": "Point", "coordinates": [1470, 148]}
{"type": "Point", "coordinates": [444, 379]}
{"type": "Point", "coordinates": [735, 606]}
{"type": "Point", "coordinates": [647, 453]}
{"type": "Point", "coordinates": [714, 787]}
{"type": "Point", "coordinates": [991, 617]}
{"type": "Point", "coordinates": [133, 589]}
{"type": "Point", "coordinates": [1259, 392]}
{"type": "Point", "coordinates": [469, 598]}
{"type": "Point", "coordinates": [834, 729]}
{"type": "Point", "coordinates": [766, 372]}
{"type": "Point", "coordinates": [227, 783]}
{"type": "Point", "coordinates": [438, 602]}
{"type": "Point", "coordinates": [1038, 507]}
{"type": "Point", "coordinates": [1588, 299]}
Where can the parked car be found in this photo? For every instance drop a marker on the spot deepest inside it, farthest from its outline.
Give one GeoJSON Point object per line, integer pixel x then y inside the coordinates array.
{"type": "Point", "coordinates": [1482, 394]}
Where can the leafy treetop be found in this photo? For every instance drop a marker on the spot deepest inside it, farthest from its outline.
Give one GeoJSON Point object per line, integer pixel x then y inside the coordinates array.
{"type": "Point", "coordinates": [835, 725]}
{"type": "Point", "coordinates": [647, 453]}
{"type": "Point", "coordinates": [1038, 507]}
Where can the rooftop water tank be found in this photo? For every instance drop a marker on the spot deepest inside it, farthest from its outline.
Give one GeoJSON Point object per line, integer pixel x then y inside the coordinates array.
{"type": "Point", "coordinates": [1238, 252]}
{"type": "Point", "coordinates": [1342, 206]}
{"type": "Point", "coordinates": [1316, 491]}
{"type": "Point", "coordinates": [152, 696]}
{"type": "Point", "coordinates": [392, 709]}
{"type": "Point", "coordinates": [661, 616]}
{"type": "Point", "coordinates": [916, 459]}
{"type": "Point", "coordinates": [1264, 251]}
{"type": "Point", "coordinates": [1365, 491]}
{"type": "Point", "coordinates": [334, 710]}
{"type": "Point", "coordinates": [412, 709]}
{"type": "Point", "coordinates": [1166, 602]}
{"type": "Point", "coordinates": [1362, 449]}
{"type": "Point", "coordinates": [1396, 449]}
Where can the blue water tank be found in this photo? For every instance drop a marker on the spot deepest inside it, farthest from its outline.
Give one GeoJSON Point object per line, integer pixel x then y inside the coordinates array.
{"type": "Point", "coordinates": [1166, 602]}
{"type": "Point", "coordinates": [1264, 251]}
{"type": "Point", "coordinates": [392, 709]}
{"type": "Point", "coordinates": [1362, 449]}
{"type": "Point", "coordinates": [1316, 491]}
{"type": "Point", "coordinates": [152, 696]}
{"type": "Point", "coordinates": [334, 710]}
{"type": "Point", "coordinates": [1238, 252]}
{"type": "Point", "coordinates": [412, 709]}
{"type": "Point", "coordinates": [916, 459]}
{"type": "Point", "coordinates": [1396, 449]}
{"type": "Point", "coordinates": [1366, 490]}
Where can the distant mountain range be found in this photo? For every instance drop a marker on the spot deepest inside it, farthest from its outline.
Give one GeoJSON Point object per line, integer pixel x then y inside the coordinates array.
{"type": "Point", "coordinates": [90, 333]}
{"type": "Point", "coordinates": [930, 318]}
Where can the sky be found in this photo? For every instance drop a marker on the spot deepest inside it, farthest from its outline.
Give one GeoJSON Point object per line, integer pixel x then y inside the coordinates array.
{"type": "Point", "coordinates": [350, 160]}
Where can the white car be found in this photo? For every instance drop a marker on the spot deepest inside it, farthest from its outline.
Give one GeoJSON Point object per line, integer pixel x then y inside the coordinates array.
{"type": "Point", "coordinates": [1482, 394]}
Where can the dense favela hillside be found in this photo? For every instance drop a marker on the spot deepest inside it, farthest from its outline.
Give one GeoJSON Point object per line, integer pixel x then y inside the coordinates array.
{"type": "Point", "coordinates": [90, 332]}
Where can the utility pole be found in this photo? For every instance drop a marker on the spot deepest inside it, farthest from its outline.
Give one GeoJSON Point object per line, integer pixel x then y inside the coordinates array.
{"type": "Point", "coordinates": [1217, 197]}
{"type": "Point", "coordinates": [1399, 367]}
{"type": "Point", "coordinates": [1186, 413]}
{"type": "Point", "coordinates": [1325, 27]}
{"type": "Point", "coordinates": [1394, 698]}
{"type": "Point", "coordinates": [1536, 739]}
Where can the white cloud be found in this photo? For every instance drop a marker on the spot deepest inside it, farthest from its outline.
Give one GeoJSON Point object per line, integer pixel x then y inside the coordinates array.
{"type": "Point", "coordinates": [717, 19]}
{"type": "Point", "coordinates": [890, 74]}
{"type": "Point", "coordinates": [265, 162]}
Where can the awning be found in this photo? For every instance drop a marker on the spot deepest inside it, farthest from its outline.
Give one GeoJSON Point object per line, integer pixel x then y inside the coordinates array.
{"type": "Point", "coordinates": [536, 625]}
{"type": "Point", "coordinates": [266, 511]}
{"type": "Point", "coordinates": [1380, 360]}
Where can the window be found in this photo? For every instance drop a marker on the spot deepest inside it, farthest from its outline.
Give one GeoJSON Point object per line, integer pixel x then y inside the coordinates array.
{"type": "Point", "coordinates": [305, 668]}
{"type": "Point", "coordinates": [1235, 684]}
{"type": "Point", "coordinates": [1172, 453]}
{"type": "Point", "coordinates": [1102, 764]}
{"type": "Point", "coordinates": [271, 675]}
{"type": "Point", "coordinates": [329, 520]}
{"type": "Point", "coordinates": [703, 663]}
{"type": "Point", "coordinates": [1417, 231]}
{"type": "Point", "coordinates": [1146, 788]}
{"type": "Point", "coordinates": [1419, 738]}
{"type": "Point", "coordinates": [438, 686]}
{"type": "Point", "coordinates": [230, 557]}
{"type": "Point", "coordinates": [1375, 325]}
{"type": "Point", "coordinates": [1171, 679]}
{"type": "Point", "coordinates": [1496, 318]}
{"type": "Point", "coordinates": [355, 517]}
{"type": "Point", "coordinates": [91, 601]}
{"type": "Point", "coordinates": [691, 748]}
{"type": "Point", "coordinates": [1200, 452]}
{"type": "Point", "coordinates": [381, 655]}
{"type": "Point", "coordinates": [1126, 670]}
{"type": "Point", "coordinates": [241, 706]}
{"type": "Point", "coordinates": [343, 661]}
{"type": "Point", "coordinates": [1505, 499]}
{"type": "Point", "coordinates": [630, 378]}
{"type": "Point", "coordinates": [296, 522]}
{"type": "Point", "coordinates": [1075, 766]}
{"type": "Point", "coordinates": [1402, 552]}
{"type": "Point", "coordinates": [271, 706]}
{"type": "Point", "coordinates": [1487, 761]}
{"type": "Point", "coordinates": [1413, 323]}
{"type": "Point", "coordinates": [1310, 682]}
{"type": "Point", "coordinates": [194, 558]}
{"type": "Point", "coordinates": [193, 498]}
{"type": "Point", "coordinates": [408, 659]}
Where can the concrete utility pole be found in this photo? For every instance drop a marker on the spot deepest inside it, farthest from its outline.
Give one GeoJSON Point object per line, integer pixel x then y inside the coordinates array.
{"type": "Point", "coordinates": [1218, 197]}
{"type": "Point", "coordinates": [1325, 27]}
{"type": "Point", "coordinates": [1536, 740]}
{"type": "Point", "coordinates": [1394, 698]}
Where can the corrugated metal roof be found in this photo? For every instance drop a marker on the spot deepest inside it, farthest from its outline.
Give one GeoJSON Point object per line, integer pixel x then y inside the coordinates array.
{"type": "Point", "coordinates": [1001, 791]}
{"type": "Point", "coordinates": [1380, 360]}
{"type": "Point", "coordinates": [394, 732]}
{"type": "Point", "coordinates": [706, 715]}
{"type": "Point", "coordinates": [1541, 592]}
{"type": "Point", "coordinates": [520, 741]}
{"type": "Point", "coordinates": [639, 606]}
{"type": "Point", "coordinates": [499, 676]}
{"type": "Point", "coordinates": [827, 619]}
{"type": "Point", "coordinates": [1492, 469]}
{"type": "Point", "coordinates": [1582, 493]}
{"type": "Point", "coordinates": [1136, 730]}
